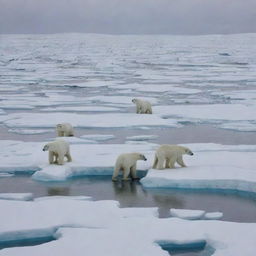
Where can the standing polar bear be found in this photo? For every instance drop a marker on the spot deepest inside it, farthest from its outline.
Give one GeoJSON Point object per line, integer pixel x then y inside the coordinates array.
{"type": "Point", "coordinates": [64, 129]}
{"type": "Point", "coordinates": [127, 164]}
{"type": "Point", "coordinates": [58, 149]}
{"type": "Point", "coordinates": [142, 106]}
{"type": "Point", "coordinates": [170, 154]}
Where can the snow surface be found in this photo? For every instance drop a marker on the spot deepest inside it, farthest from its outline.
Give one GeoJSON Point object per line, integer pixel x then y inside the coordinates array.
{"type": "Point", "coordinates": [79, 225]}
{"type": "Point", "coordinates": [81, 109]}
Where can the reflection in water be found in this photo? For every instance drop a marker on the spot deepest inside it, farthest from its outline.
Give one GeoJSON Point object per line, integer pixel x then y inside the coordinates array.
{"type": "Point", "coordinates": [163, 200]}
{"type": "Point", "coordinates": [132, 194]}
{"type": "Point", "coordinates": [58, 191]}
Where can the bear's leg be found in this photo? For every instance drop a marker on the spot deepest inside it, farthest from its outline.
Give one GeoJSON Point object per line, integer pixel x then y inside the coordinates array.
{"type": "Point", "coordinates": [155, 162]}
{"type": "Point", "coordinates": [60, 159]}
{"type": "Point", "coordinates": [140, 110]}
{"type": "Point", "coordinates": [134, 172]}
{"type": "Point", "coordinates": [68, 156]}
{"type": "Point", "coordinates": [167, 163]}
{"type": "Point", "coordinates": [180, 161]}
{"type": "Point", "coordinates": [126, 173]}
{"type": "Point", "coordinates": [51, 157]}
{"type": "Point", "coordinates": [55, 158]}
{"type": "Point", "coordinates": [59, 134]}
{"type": "Point", "coordinates": [137, 109]}
{"type": "Point", "coordinates": [116, 172]}
{"type": "Point", "coordinates": [172, 161]}
{"type": "Point", "coordinates": [160, 164]}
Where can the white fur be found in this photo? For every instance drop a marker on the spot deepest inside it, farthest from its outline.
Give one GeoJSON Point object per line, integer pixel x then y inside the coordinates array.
{"type": "Point", "coordinates": [127, 164]}
{"type": "Point", "coordinates": [142, 106]}
{"type": "Point", "coordinates": [58, 149]}
{"type": "Point", "coordinates": [170, 154]}
{"type": "Point", "coordinates": [64, 129]}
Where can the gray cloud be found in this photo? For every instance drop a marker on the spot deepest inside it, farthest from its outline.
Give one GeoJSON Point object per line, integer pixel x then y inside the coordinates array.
{"type": "Point", "coordinates": [128, 16]}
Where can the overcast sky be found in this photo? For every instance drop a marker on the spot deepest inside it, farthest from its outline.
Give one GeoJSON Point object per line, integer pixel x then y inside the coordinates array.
{"type": "Point", "coordinates": [128, 16]}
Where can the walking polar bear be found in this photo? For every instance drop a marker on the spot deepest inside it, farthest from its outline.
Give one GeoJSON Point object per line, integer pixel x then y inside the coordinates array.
{"type": "Point", "coordinates": [142, 106]}
{"type": "Point", "coordinates": [58, 149]}
{"type": "Point", "coordinates": [64, 129]}
{"type": "Point", "coordinates": [170, 154]}
{"type": "Point", "coordinates": [127, 164]}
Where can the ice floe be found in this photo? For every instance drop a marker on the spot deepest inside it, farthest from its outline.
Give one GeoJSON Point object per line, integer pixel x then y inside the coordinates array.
{"type": "Point", "coordinates": [187, 214]}
{"type": "Point", "coordinates": [195, 214]}
{"type": "Point", "coordinates": [142, 137]}
{"type": "Point", "coordinates": [17, 196]}
{"type": "Point", "coordinates": [203, 177]}
{"type": "Point", "coordinates": [213, 215]}
{"type": "Point", "coordinates": [98, 137]}
{"type": "Point", "coordinates": [76, 226]}
{"type": "Point", "coordinates": [88, 159]}
{"type": "Point", "coordinates": [212, 167]}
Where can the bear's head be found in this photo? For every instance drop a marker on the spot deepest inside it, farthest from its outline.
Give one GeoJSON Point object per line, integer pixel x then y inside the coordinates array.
{"type": "Point", "coordinates": [188, 152]}
{"type": "Point", "coordinates": [134, 100]}
{"type": "Point", "coordinates": [142, 157]}
{"type": "Point", "coordinates": [59, 126]}
{"type": "Point", "coordinates": [46, 147]}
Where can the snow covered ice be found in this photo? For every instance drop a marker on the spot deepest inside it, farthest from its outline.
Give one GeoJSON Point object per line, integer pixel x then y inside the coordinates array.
{"type": "Point", "coordinates": [78, 229]}
{"type": "Point", "coordinates": [89, 81]}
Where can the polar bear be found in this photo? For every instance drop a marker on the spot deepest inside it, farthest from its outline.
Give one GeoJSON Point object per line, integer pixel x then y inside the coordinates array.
{"type": "Point", "coordinates": [142, 106]}
{"type": "Point", "coordinates": [127, 164]}
{"type": "Point", "coordinates": [170, 154]}
{"type": "Point", "coordinates": [64, 129]}
{"type": "Point", "coordinates": [58, 149]}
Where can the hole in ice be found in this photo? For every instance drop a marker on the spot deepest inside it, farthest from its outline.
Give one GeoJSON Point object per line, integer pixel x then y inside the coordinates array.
{"type": "Point", "coordinates": [26, 242]}
{"type": "Point", "coordinates": [187, 249]}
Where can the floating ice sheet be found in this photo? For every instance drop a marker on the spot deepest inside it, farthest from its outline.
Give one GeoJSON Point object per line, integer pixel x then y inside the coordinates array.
{"type": "Point", "coordinates": [142, 137]}
{"type": "Point", "coordinates": [79, 225]}
{"type": "Point", "coordinates": [195, 214]}
{"type": "Point", "coordinates": [203, 177]}
{"type": "Point", "coordinates": [213, 215]}
{"type": "Point", "coordinates": [98, 137]}
{"type": "Point", "coordinates": [213, 166]}
{"type": "Point", "coordinates": [17, 196]}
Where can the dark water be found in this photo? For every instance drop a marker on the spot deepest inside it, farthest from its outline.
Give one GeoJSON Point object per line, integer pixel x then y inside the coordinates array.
{"type": "Point", "coordinates": [186, 134]}
{"type": "Point", "coordinates": [238, 207]}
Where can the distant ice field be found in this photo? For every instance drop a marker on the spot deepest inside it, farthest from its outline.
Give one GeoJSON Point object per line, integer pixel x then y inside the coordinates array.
{"type": "Point", "coordinates": [196, 79]}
